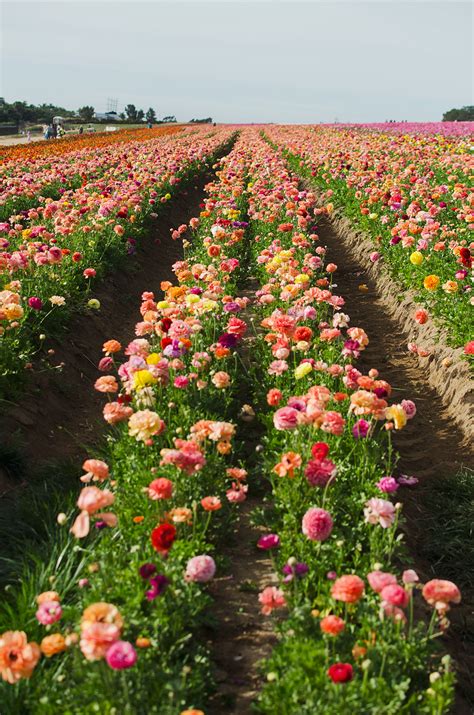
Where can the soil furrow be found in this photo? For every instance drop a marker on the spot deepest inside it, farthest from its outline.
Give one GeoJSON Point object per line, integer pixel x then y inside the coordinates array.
{"type": "Point", "coordinates": [431, 446]}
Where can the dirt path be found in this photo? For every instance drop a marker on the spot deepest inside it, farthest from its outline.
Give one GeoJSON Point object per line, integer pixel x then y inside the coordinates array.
{"type": "Point", "coordinates": [431, 446]}
{"type": "Point", "coordinates": [243, 636]}
{"type": "Point", "coordinates": [60, 412]}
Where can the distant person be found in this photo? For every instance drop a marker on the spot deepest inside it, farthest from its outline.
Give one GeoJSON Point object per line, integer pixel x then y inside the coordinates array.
{"type": "Point", "coordinates": [81, 130]}
{"type": "Point", "coordinates": [28, 136]}
{"type": "Point", "coordinates": [150, 125]}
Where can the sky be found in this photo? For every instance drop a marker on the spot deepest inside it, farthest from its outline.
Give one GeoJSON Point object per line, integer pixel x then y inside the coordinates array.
{"type": "Point", "coordinates": [261, 61]}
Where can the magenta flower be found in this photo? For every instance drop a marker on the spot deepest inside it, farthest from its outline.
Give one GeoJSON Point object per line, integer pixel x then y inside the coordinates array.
{"type": "Point", "coordinates": [35, 303]}
{"type": "Point", "coordinates": [388, 485]}
{"type": "Point", "coordinates": [158, 585]}
{"type": "Point", "coordinates": [361, 429]}
{"type": "Point", "coordinates": [49, 612]}
{"type": "Point", "coordinates": [121, 655]}
{"type": "Point", "coordinates": [269, 541]}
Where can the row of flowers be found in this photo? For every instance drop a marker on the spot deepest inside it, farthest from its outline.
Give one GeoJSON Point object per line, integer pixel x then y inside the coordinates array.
{"type": "Point", "coordinates": [411, 194]}
{"type": "Point", "coordinates": [121, 615]}
{"type": "Point", "coordinates": [52, 253]}
{"type": "Point", "coordinates": [351, 641]}
{"type": "Point", "coordinates": [23, 180]}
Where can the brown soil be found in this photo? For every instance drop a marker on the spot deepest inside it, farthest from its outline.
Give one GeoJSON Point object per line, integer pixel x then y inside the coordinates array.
{"type": "Point", "coordinates": [431, 446]}
{"type": "Point", "coordinates": [243, 636]}
{"type": "Point", "coordinates": [59, 416]}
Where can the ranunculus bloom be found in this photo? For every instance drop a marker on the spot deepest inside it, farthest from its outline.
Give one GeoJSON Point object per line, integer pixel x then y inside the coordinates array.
{"type": "Point", "coordinates": [97, 638]}
{"type": "Point", "coordinates": [271, 598]}
{"type": "Point", "coordinates": [395, 595]}
{"type": "Point", "coordinates": [221, 380]}
{"type": "Point", "coordinates": [340, 672]}
{"type": "Point", "coordinates": [121, 655]}
{"type": "Point", "coordinates": [269, 541]}
{"type": "Point", "coordinates": [332, 625]}
{"type": "Point", "coordinates": [286, 418]}
{"type": "Point", "coordinates": [379, 579]}
{"type": "Point", "coordinates": [95, 469]}
{"type": "Point", "coordinates": [145, 424]}
{"type": "Point", "coordinates": [163, 537]}
{"type": "Point", "coordinates": [211, 503]}
{"type": "Point", "coordinates": [440, 593]}
{"type": "Point", "coordinates": [200, 569]}
{"type": "Point", "coordinates": [160, 488]}
{"type": "Point", "coordinates": [348, 589]}
{"type": "Point", "coordinates": [388, 485]}
{"type": "Point", "coordinates": [158, 586]}
{"type": "Point", "coordinates": [274, 397]}
{"type": "Point", "coordinates": [106, 383]}
{"type": "Point", "coordinates": [379, 511]}
{"type": "Point", "coordinates": [49, 612]}
{"type": "Point", "coordinates": [53, 644]}
{"type": "Point", "coordinates": [317, 524]}
{"type": "Point", "coordinates": [18, 658]}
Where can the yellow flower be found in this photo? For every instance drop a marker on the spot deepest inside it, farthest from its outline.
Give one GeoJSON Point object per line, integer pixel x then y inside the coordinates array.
{"type": "Point", "coordinates": [397, 414]}
{"type": "Point", "coordinates": [153, 359]}
{"type": "Point", "coordinates": [162, 304]}
{"type": "Point", "coordinates": [302, 278]}
{"type": "Point", "coordinates": [302, 370]}
{"type": "Point", "coordinates": [142, 378]}
{"type": "Point", "coordinates": [416, 258]}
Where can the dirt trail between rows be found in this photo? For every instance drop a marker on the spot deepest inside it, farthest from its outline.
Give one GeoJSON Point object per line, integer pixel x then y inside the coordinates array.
{"type": "Point", "coordinates": [59, 416]}
{"type": "Point", "coordinates": [431, 446]}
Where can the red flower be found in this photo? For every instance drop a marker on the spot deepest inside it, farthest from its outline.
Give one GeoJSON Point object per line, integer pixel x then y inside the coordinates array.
{"type": "Point", "coordinates": [162, 537]}
{"type": "Point", "coordinates": [165, 342]}
{"type": "Point", "coordinates": [341, 672]}
{"type": "Point", "coordinates": [166, 324]}
{"type": "Point", "coordinates": [320, 450]}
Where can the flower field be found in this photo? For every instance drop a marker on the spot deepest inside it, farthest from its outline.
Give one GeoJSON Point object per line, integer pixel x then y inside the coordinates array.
{"type": "Point", "coordinates": [112, 611]}
{"type": "Point", "coordinates": [413, 194]}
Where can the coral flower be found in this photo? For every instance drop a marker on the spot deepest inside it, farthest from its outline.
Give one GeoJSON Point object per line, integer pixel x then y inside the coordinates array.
{"type": "Point", "coordinates": [440, 593]}
{"type": "Point", "coordinates": [160, 488]}
{"type": "Point", "coordinates": [271, 598]}
{"type": "Point", "coordinates": [332, 625]}
{"type": "Point", "coordinates": [106, 383]}
{"type": "Point", "coordinates": [145, 424]}
{"type": "Point", "coordinates": [348, 589]}
{"type": "Point", "coordinates": [18, 658]}
{"type": "Point", "coordinates": [211, 503]}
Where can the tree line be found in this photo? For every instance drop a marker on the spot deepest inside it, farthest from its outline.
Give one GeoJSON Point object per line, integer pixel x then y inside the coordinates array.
{"type": "Point", "coordinates": [465, 114]}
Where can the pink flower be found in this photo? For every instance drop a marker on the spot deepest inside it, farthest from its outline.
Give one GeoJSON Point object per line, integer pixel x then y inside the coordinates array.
{"type": "Point", "coordinates": [271, 598]}
{"type": "Point", "coordinates": [378, 580]}
{"type": "Point", "coordinates": [395, 595]}
{"type": "Point", "coordinates": [89, 273]}
{"type": "Point", "coordinates": [333, 423]}
{"type": "Point", "coordinates": [200, 569]}
{"type": "Point", "coordinates": [237, 494]}
{"type": "Point", "coordinates": [317, 524]}
{"type": "Point", "coordinates": [318, 472]}
{"type": "Point", "coordinates": [49, 612]}
{"type": "Point", "coordinates": [277, 367]}
{"type": "Point", "coordinates": [121, 655]}
{"type": "Point", "coordinates": [388, 484]}
{"type": "Point", "coordinates": [35, 303]}
{"type": "Point", "coordinates": [409, 408]}
{"type": "Point", "coordinates": [286, 418]}
{"type": "Point", "coordinates": [410, 576]}
{"type": "Point", "coordinates": [379, 511]}
{"type": "Point", "coordinates": [105, 364]}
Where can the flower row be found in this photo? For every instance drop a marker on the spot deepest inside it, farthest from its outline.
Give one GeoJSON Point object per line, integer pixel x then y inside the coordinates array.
{"type": "Point", "coordinates": [411, 194]}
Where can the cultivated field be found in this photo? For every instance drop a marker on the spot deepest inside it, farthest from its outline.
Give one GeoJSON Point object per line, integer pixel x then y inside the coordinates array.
{"type": "Point", "coordinates": [237, 416]}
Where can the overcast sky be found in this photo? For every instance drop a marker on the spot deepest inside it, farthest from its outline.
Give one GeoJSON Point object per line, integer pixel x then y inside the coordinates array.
{"type": "Point", "coordinates": [243, 61]}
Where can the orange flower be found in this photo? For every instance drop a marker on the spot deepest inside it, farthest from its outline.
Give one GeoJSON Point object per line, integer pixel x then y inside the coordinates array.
{"type": "Point", "coordinates": [138, 519]}
{"type": "Point", "coordinates": [18, 658]}
{"type": "Point", "coordinates": [101, 612]}
{"type": "Point", "coordinates": [289, 462]}
{"type": "Point", "coordinates": [180, 515]}
{"type": "Point", "coordinates": [332, 625]}
{"type": "Point", "coordinates": [143, 642]}
{"type": "Point", "coordinates": [111, 346]}
{"type": "Point", "coordinates": [50, 645]}
{"type": "Point", "coordinates": [47, 596]}
{"type": "Point", "coordinates": [431, 282]}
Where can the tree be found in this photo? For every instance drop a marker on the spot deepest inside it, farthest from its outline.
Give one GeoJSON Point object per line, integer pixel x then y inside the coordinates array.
{"type": "Point", "coordinates": [86, 113]}
{"type": "Point", "coordinates": [140, 115]}
{"type": "Point", "coordinates": [131, 112]}
{"type": "Point", "coordinates": [465, 114]}
{"type": "Point", "coordinates": [169, 119]}
{"type": "Point", "coordinates": [150, 116]}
